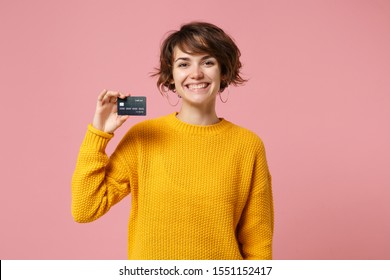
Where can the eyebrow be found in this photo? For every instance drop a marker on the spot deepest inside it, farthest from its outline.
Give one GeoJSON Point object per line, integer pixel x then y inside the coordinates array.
{"type": "Point", "coordinates": [187, 58]}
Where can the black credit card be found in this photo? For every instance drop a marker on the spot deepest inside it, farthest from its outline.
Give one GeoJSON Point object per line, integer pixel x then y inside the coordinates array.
{"type": "Point", "coordinates": [132, 105]}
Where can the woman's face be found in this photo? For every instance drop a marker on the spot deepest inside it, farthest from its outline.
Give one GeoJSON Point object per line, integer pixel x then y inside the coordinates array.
{"type": "Point", "coordinates": [197, 77]}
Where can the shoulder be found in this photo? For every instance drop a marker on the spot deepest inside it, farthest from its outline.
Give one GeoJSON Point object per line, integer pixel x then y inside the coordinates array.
{"type": "Point", "coordinates": [149, 124]}
{"type": "Point", "coordinates": [147, 127]}
{"type": "Point", "coordinates": [246, 137]}
{"type": "Point", "coordinates": [141, 134]}
{"type": "Point", "coordinates": [252, 148]}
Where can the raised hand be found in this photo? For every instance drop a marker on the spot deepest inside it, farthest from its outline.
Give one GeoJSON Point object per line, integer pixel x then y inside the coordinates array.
{"type": "Point", "coordinates": [106, 115]}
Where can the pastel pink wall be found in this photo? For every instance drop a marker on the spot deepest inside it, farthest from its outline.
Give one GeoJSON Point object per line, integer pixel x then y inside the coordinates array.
{"type": "Point", "coordinates": [318, 95]}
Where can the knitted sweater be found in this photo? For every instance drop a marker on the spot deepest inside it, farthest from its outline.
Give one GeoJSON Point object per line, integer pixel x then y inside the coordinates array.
{"type": "Point", "coordinates": [198, 192]}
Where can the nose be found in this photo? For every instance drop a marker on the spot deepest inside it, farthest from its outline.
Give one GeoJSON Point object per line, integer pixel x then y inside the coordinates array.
{"type": "Point", "coordinates": [196, 72]}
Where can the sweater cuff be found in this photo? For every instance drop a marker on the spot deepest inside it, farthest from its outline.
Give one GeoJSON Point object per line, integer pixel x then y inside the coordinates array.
{"type": "Point", "coordinates": [97, 138]}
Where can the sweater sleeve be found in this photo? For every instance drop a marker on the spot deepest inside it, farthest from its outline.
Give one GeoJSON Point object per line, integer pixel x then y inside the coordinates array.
{"type": "Point", "coordinates": [98, 181]}
{"type": "Point", "coordinates": [255, 231]}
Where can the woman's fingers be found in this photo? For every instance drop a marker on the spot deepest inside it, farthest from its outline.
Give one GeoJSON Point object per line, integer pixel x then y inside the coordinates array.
{"type": "Point", "coordinates": [108, 96]}
{"type": "Point", "coordinates": [106, 117]}
{"type": "Point", "coordinates": [123, 95]}
{"type": "Point", "coordinates": [102, 94]}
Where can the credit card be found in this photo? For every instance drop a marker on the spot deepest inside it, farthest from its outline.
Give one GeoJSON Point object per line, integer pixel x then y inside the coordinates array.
{"type": "Point", "coordinates": [132, 105]}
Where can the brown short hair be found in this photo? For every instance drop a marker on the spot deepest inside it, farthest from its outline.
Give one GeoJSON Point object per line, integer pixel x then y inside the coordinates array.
{"type": "Point", "coordinates": [201, 37]}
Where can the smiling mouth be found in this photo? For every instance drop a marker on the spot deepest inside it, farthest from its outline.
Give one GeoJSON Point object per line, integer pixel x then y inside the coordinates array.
{"type": "Point", "coordinates": [197, 86]}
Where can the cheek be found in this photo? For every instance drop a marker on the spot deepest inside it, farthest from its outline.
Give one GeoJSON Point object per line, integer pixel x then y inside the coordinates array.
{"type": "Point", "coordinates": [177, 76]}
{"type": "Point", "coordinates": [215, 75]}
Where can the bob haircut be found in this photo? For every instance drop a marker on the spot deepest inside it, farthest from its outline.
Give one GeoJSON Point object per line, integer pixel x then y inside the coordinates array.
{"type": "Point", "coordinates": [200, 38]}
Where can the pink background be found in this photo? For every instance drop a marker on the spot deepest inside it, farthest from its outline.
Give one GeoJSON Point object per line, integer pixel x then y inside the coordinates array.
{"type": "Point", "coordinates": [318, 96]}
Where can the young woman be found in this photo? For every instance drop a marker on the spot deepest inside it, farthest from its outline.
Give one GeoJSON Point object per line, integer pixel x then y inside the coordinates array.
{"type": "Point", "coordinates": [200, 185]}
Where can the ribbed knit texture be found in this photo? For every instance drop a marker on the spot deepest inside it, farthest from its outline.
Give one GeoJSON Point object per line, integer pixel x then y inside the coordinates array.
{"type": "Point", "coordinates": [198, 192]}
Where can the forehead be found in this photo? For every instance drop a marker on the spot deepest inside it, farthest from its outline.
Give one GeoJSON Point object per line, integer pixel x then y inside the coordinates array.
{"type": "Point", "coordinates": [179, 53]}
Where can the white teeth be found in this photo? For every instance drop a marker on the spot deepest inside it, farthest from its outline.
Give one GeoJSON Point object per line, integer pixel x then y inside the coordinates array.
{"type": "Point", "coordinates": [197, 86]}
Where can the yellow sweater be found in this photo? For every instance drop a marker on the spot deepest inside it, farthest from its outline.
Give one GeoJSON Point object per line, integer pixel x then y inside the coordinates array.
{"type": "Point", "coordinates": [198, 192]}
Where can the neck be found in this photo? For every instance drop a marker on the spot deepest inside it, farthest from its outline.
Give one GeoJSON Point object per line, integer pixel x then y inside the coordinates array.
{"type": "Point", "coordinates": [198, 116]}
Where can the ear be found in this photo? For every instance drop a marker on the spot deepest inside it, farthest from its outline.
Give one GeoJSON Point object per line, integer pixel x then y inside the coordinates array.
{"type": "Point", "coordinates": [172, 85]}
{"type": "Point", "coordinates": [224, 78]}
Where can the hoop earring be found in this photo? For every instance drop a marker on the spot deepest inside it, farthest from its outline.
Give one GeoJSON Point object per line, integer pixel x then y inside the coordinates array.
{"type": "Point", "coordinates": [227, 97]}
{"type": "Point", "coordinates": [169, 101]}
{"type": "Point", "coordinates": [165, 92]}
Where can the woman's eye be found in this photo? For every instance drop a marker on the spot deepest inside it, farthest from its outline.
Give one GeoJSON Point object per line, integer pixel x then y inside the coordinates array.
{"type": "Point", "coordinates": [182, 65]}
{"type": "Point", "coordinates": [209, 63]}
